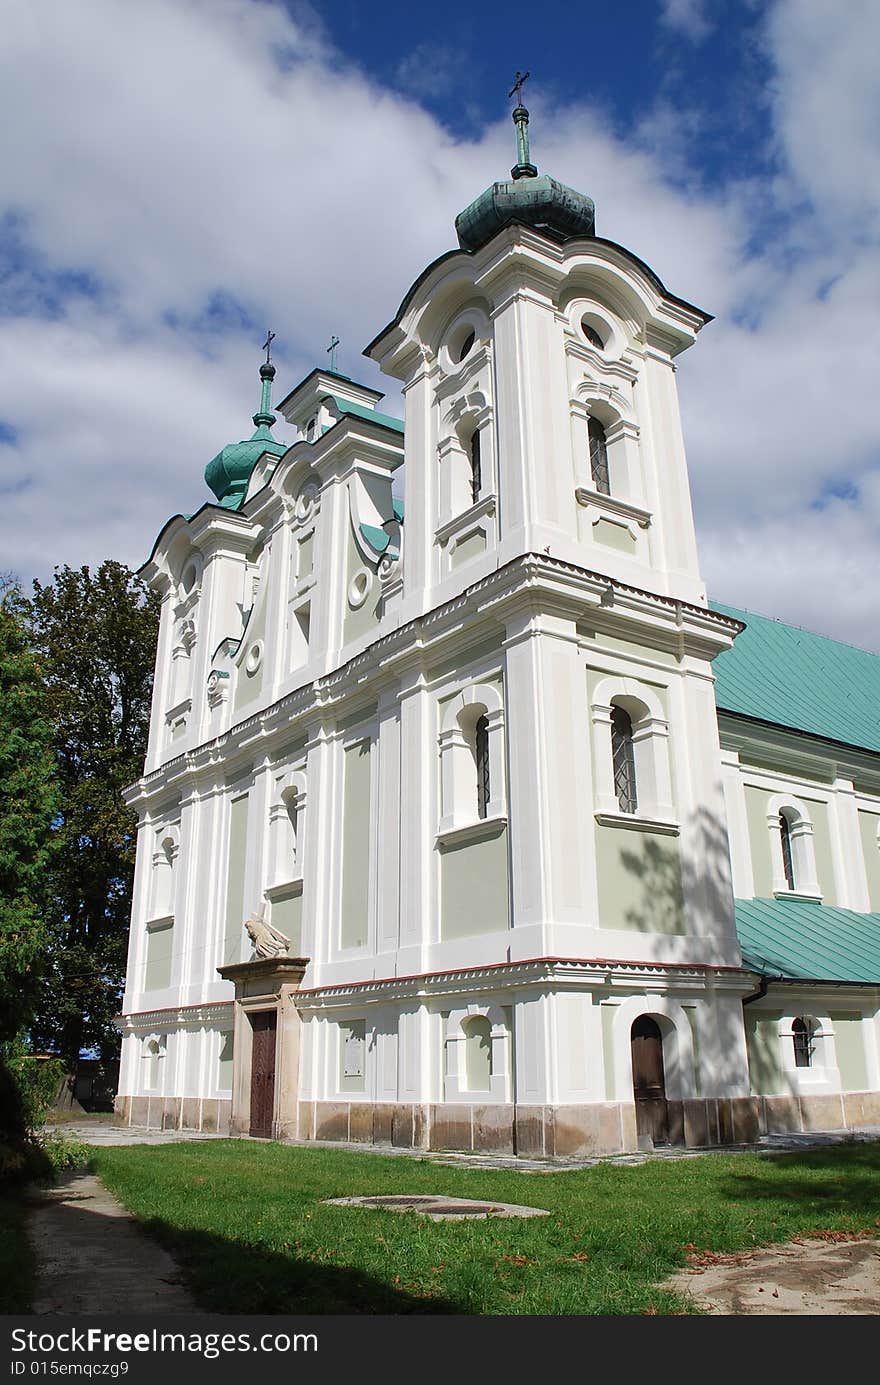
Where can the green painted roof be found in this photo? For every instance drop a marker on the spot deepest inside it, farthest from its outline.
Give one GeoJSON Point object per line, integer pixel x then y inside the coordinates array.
{"type": "Point", "coordinates": [345, 406]}
{"type": "Point", "coordinates": [781, 674]}
{"type": "Point", "coordinates": [799, 940]}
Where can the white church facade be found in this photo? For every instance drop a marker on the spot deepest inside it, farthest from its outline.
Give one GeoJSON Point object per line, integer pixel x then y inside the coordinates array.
{"type": "Point", "coordinates": [548, 855]}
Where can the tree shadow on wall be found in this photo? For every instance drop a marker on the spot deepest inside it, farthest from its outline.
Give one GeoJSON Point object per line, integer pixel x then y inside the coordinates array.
{"type": "Point", "coordinates": [667, 877]}
{"type": "Point", "coordinates": [660, 905]}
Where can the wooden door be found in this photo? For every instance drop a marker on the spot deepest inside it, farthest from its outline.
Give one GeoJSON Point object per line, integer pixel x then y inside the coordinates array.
{"type": "Point", "coordinates": [649, 1084]}
{"type": "Point", "coordinates": [264, 1026]}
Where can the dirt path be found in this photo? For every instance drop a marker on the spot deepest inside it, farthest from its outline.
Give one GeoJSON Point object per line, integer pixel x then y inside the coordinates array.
{"type": "Point", "coordinates": [93, 1258]}
{"type": "Point", "coordinates": [820, 1277]}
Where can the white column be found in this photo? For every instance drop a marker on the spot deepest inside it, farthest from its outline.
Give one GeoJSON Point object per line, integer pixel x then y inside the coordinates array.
{"type": "Point", "coordinates": [419, 905]}
{"type": "Point", "coordinates": [850, 875]}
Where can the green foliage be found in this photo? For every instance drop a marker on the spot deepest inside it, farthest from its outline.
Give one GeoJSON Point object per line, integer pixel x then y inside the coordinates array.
{"type": "Point", "coordinates": [95, 635]}
{"type": "Point", "coordinates": [38, 1081]}
{"type": "Point", "coordinates": [62, 1151]}
{"type": "Point", "coordinates": [28, 799]}
{"type": "Point", "coordinates": [250, 1227]}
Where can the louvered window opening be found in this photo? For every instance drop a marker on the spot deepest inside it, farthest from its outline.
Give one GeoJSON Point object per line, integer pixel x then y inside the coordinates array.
{"type": "Point", "coordinates": [787, 858]}
{"type": "Point", "coordinates": [476, 467]}
{"type": "Point", "coordinates": [623, 760]}
{"type": "Point", "coordinates": [592, 336]}
{"type": "Point", "coordinates": [599, 457]}
{"type": "Point", "coordinates": [481, 749]}
{"type": "Point", "coordinates": [802, 1038]}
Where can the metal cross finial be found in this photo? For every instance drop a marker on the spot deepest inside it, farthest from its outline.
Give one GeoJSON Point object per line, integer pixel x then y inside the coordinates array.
{"type": "Point", "coordinates": [516, 89]}
{"type": "Point", "coordinates": [267, 346]}
{"type": "Point", "coordinates": [334, 342]}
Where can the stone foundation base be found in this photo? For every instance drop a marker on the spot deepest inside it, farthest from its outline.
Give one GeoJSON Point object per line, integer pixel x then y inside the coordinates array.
{"type": "Point", "coordinates": [175, 1112]}
{"type": "Point", "coordinates": [780, 1115]}
{"type": "Point", "coordinates": [531, 1131]}
{"type": "Point", "coordinates": [559, 1132]}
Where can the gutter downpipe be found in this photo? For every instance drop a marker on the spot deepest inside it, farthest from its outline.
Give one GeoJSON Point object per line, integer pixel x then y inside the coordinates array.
{"type": "Point", "coordinates": [759, 994]}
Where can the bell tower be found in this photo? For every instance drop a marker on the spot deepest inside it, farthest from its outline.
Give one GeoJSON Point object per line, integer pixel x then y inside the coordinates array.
{"type": "Point", "coordinates": [538, 370]}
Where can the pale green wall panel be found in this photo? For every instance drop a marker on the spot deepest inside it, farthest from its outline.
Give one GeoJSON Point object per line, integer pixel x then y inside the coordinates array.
{"type": "Point", "coordinates": [363, 619]}
{"type": "Point", "coordinates": [250, 685]}
{"type": "Point", "coordinates": [471, 547]}
{"type": "Point", "coordinates": [822, 848]}
{"type": "Point", "coordinates": [224, 1069]}
{"type": "Point", "coordinates": [233, 931]}
{"type": "Point", "coordinates": [287, 918]}
{"type": "Point", "coordinates": [608, 1014]}
{"type": "Point", "coordinates": [612, 535]}
{"type": "Point", "coordinates": [759, 840]}
{"type": "Point", "coordinates": [849, 1044]}
{"type": "Point", "coordinates": [473, 887]}
{"type": "Point", "coordinates": [356, 825]}
{"type": "Point", "coordinates": [868, 823]}
{"type": "Point", "coordinates": [352, 1054]}
{"type": "Point", "coordinates": [639, 881]}
{"type": "Point", "coordinates": [160, 943]}
{"type": "Point", "coordinates": [765, 1056]}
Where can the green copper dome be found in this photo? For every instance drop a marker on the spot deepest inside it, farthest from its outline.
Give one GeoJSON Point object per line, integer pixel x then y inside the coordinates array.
{"type": "Point", "coordinates": [537, 200]}
{"type": "Point", "coordinates": [229, 472]}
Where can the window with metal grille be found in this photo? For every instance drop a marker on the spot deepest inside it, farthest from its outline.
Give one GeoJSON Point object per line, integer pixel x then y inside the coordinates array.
{"type": "Point", "coordinates": [481, 752]}
{"type": "Point", "coordinates": [802, 1031]}
{"type": "Point", "coordinates": [623, 760]}
{"type": "Point", "coordinates": [787, 857]}
{"type": "Point", "coordinates": [599, 457]}
{"type": "Point", "coordinates": [476, 466]}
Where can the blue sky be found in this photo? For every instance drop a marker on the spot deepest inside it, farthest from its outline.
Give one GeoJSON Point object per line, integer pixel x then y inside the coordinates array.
{"type": "Point", "coordinates": [185, 173]}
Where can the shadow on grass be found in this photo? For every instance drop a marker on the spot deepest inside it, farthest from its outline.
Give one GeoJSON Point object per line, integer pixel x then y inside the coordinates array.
{"type": "Point", "coordinates": [844, 1180]}
{"type": "Point", "coordinates": [232, 1277]}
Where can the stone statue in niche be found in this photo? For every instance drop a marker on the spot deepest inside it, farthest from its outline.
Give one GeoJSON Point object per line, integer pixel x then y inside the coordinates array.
{"type": "Point", "coordinates": [267, 941]}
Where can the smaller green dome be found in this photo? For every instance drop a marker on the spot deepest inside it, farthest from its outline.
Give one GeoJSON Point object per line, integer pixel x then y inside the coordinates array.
{"type": "Point", "coordinates": [537, 200]}
{"type": "Point", "coordinates": [229, 473]}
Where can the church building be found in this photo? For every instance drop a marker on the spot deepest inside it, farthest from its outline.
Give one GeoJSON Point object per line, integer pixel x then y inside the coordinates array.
{"type": "Point", "coordinates": [467, 821]}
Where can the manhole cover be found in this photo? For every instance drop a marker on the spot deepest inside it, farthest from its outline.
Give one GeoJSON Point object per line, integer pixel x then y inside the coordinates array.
{"type": "Point", "coordinates": [439, 1208]}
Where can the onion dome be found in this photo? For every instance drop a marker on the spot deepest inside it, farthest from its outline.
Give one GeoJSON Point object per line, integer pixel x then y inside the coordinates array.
{"type": "Point", "coordinates": [530, 197]}
{"type": "Point", "coordinates": [229, 473]}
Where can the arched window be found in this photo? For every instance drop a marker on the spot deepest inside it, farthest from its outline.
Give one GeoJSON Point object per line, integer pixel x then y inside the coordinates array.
{"type": "Point", "coordinates": [154, 1052]}
{"type": "Point", "coordinates": [787, 861]}
{"type": "Point", "coordinates": [476, 466]}
{"type": "Point", "coordinates": [802, 1035]}
{"type": "Point", "coordinates": [623, 760]}
{"type": "Point", "coordinates": [792, 851]}
{"type": "Point", "coordinates": [481, 755]}
{"type": "Point", "coordinates": [478, 1054]}
{"type": "Point", "coordinates": [599, 457]}
{"type": "Point", "coordinates": [472, 758]}
{"type": "Point", "coordinates": [286, 817]}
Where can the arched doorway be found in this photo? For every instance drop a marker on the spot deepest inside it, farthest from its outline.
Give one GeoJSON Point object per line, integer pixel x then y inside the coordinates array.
{"type": "Point", "coordinates": [649, 1082]}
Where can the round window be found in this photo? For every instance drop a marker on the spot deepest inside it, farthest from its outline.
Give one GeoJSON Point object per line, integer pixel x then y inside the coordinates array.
{"type": "Point", "coordinates": [464, 346]}
{"type": "Point", "coordinates": [359, 588]}
{"type": "Point", "coordinates": [254, 657]}
{"type": "Point", "coordinates": [592, 335]}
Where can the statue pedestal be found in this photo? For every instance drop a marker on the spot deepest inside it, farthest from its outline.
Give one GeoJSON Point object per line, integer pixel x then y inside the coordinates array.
{"type": "Point", "coordinates": [266, 1044]}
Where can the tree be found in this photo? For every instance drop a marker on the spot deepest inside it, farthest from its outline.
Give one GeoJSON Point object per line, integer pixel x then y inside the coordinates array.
{"type": "Point", "coordinates": [27, 806]}
{"type": "Point", "coordinates": [96, 637]}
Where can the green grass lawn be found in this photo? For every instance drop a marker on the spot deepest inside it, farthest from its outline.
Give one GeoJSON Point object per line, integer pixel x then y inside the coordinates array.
{"type": "Point", "coordinates": [249, 1228]}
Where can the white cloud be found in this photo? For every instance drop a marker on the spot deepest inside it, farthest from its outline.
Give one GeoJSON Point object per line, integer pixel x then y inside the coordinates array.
{"type": "Point", "coordinates": [688, 17]}
{"type": "Point", "coordinates": [216, 168]}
